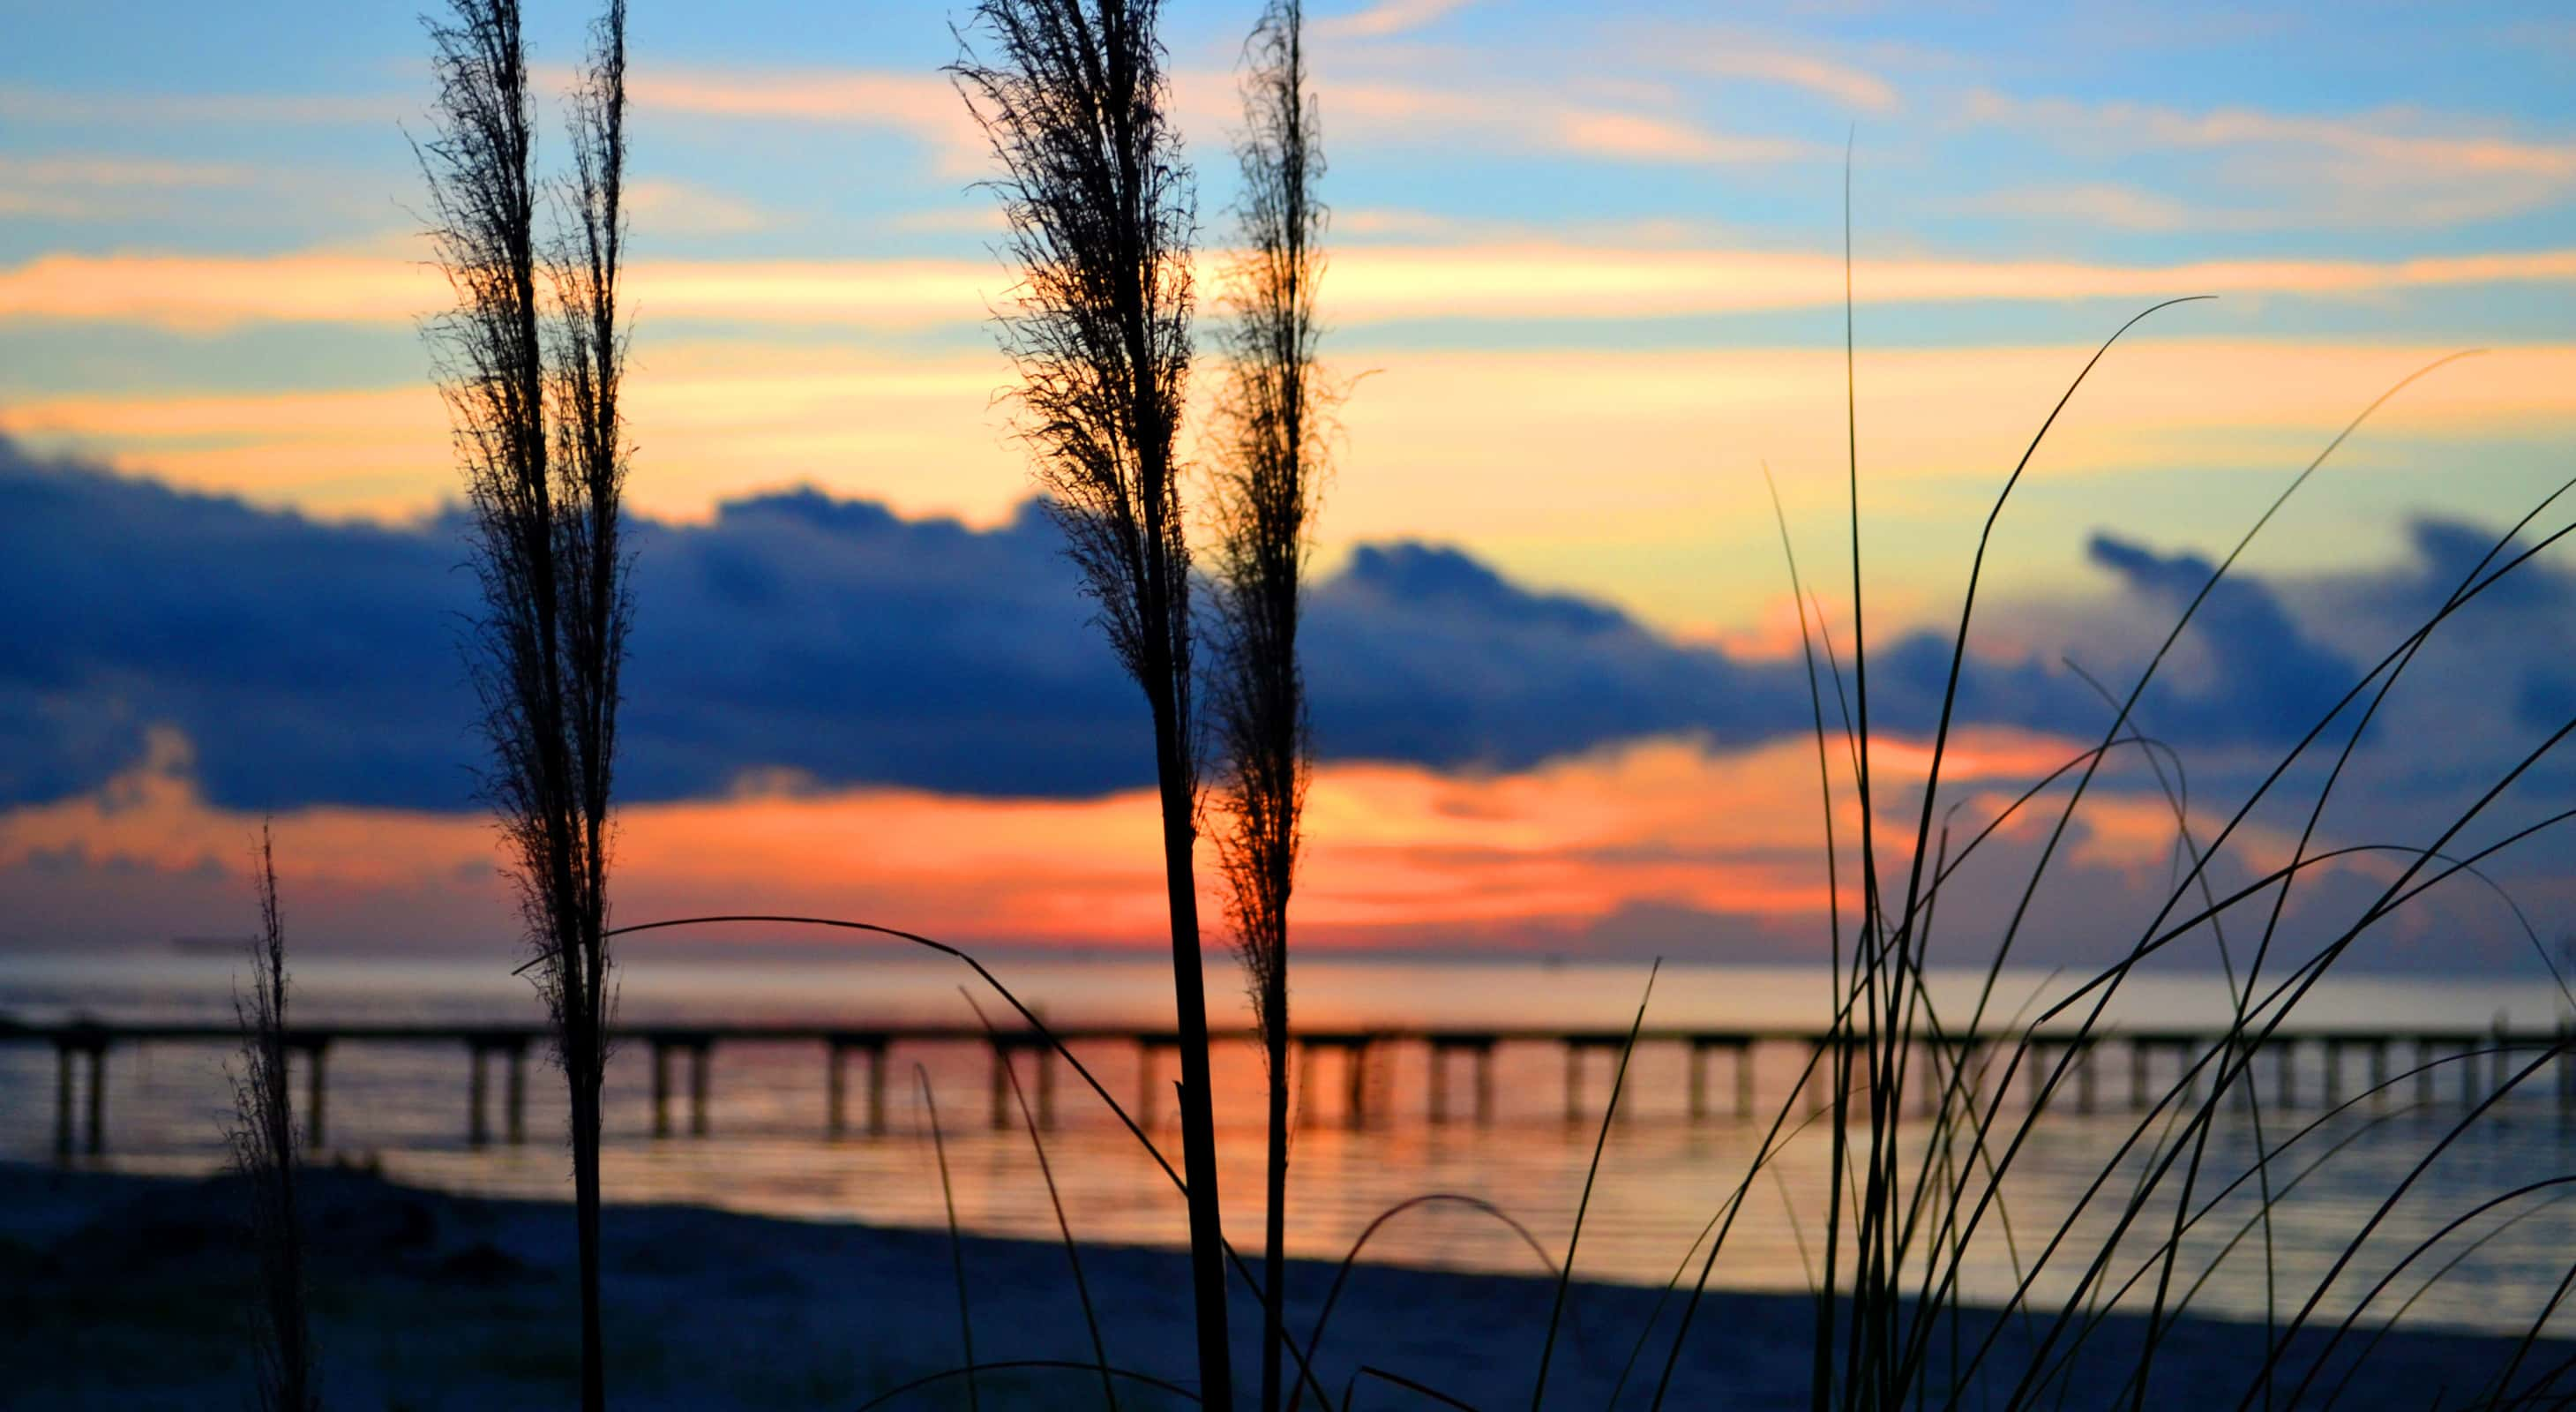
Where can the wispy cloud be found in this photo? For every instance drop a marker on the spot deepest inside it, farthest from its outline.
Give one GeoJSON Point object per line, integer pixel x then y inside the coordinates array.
{"type": "Point", "coordinates": [1387, 17]}
{"type": "Point", "coordinates": [1847, 84]}
{"type": "Point", "coordinates": [1472, 442]}
{"type": "Point", "coordinates": [923, 105]}
{"type": "Point", "coordinates": [717, 420]}
{"type": "Point", "coordinates": [1375, 282]}
{"type": "Point", "coordinates": [1586, 282]}
{"type": "Point", "coordinates": [77, 186]}
{"type": "Point", "coordinates": [1419, 115]}
{"type": "Point", "coordinates": [983, 219]}
{"type": "Point", "coordinates": [73, 169]}
{"type": "Point", "coordinates": [2390, 167]}
{"type": "Point", "coordinates": [2107, 205]}
{"type": "Point", "coordinates": [26, 103]}
{"type": "Point", "coordinates": [1396, 223]}
{"type": "Point", "coordinates": [193, 293]}
{"type": "Point", "coordinates": [1415, 111]}
{"type": "Point", "coordinates": [681, 208]}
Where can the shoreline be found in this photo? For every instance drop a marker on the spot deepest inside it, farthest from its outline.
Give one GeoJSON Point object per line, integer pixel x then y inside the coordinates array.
{"type": "Point", "coordinates": [131, 1287]}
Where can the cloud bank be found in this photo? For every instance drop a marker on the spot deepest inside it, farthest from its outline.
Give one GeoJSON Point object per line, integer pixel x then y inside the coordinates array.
{"type": "Point", "coordinates": [802, 641]}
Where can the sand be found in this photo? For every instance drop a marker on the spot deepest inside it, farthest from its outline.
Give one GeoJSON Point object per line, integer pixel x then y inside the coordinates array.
{"type": "Point", "coordinates": [127, 1292]}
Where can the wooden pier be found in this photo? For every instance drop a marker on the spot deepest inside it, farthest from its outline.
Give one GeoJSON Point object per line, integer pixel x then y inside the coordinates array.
{"type": "Point", "coordinates": [2157, 1061]}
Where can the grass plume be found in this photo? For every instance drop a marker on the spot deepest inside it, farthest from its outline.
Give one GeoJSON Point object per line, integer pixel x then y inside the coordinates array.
{"type": "Point", "coordinates": [264, 1141]}
{"type": "Point", "coordinates": [531, 361]}
{"type": "Point", "coordinates": [1099, 218]}
{"type": "Point", "coordinates": [1269, 463]}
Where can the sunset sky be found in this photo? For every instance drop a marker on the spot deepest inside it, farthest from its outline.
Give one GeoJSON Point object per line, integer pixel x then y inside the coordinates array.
{"type": "Point", "coordinates": [1587, 281]}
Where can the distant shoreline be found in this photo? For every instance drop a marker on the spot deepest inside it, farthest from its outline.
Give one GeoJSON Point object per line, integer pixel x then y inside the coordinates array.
{"type": "Point", "coordinates": [2514, 966]}
{"type": "Point", "coordinates": [122, 1283]}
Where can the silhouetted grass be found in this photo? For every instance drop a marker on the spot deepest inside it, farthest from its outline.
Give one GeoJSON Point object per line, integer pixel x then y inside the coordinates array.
{"type": "Point", "coordinates": [1574, 1238]}
{"type": "Point", "coordinates": [1269, 448]}
{"type": "Point", "coordinates": [1099, 211]}
{"type": "Point", "coordinates": [530, 362]}
{"type": "Point", "coordinates": [1900, 1222]}
{"type": "Point", "coordinates": [1055, 1199]}
{"type": "Point", "coordinates": [956, 1242]}
{"type": "Point", "coordinates": [264, 1140]}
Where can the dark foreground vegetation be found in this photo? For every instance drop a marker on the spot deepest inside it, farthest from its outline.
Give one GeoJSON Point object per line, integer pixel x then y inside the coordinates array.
{"type": "Point", "coordinates": [129, 1292]}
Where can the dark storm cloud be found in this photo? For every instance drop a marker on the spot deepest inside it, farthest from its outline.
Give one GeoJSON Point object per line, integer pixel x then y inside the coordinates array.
{"type": "Point", "coordinates": [838, 643]}
{"type": "Point", "coordinates": [2276, 679]}
{"type": "Point", "coordinates": [309, 662]}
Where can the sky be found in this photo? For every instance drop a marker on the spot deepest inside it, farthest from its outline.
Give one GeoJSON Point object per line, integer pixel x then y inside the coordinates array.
{"type": "Point", "coordinates": [1587, 284]}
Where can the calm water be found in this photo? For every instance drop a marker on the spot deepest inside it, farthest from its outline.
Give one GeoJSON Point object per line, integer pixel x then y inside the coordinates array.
{"type": "Point", "coordinates": [1662, 1177]}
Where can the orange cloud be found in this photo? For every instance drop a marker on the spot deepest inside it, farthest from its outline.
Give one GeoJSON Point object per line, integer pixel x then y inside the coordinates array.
{"type": "Point", "coordinates": [1371, 283]}
{"type": "Point", "coordinates": [1716, 854]}
{"type": "Point", "coordinates": [207, 294]}
{"type": "Point", "coordinates": [1473, 447]}
{"type": "Point", "coordinates": [710, 421]}
{"type": "Point", "coordinates": [1393, 851]}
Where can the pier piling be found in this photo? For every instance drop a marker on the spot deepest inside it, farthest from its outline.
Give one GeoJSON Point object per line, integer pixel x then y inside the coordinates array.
{"type": "Point", "coordinates": [62, 1102]}
{"type": "Point", "coordinates": [313, 1053]}
{"type": "Point", "coordinates": [698, 1088]}
{"type": "Point", "coordinates": [1951, 1063]}
{"type": "Point", "coordinates": [1480, 1050]}
{"type": "Point", "coordinates": [517, 1094]}
{"type": "Point", "coordinates": [1003, 1047]}
{"type": "Point", "coordinates": [477, 1130]}
{"type": "Point", "coordinates": [836, 1088]}
{"type": "Point", "coordinates": [98, 1098]}
{"type": "Point", "coordinates": [661, 1089]}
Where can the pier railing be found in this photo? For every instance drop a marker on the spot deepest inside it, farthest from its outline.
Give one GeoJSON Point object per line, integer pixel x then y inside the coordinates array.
{"type": "Point", "coordinates": [2481, 1057]}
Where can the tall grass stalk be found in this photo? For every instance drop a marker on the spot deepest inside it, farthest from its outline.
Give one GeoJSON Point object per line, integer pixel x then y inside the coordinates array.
{"type": "Point", "coordinates": [264, 1141]}
{"type": "Point", "coordinates": [1574, 1238]}
{"type": "Point", "coordinates": [1055, 1199]}
{"type": "Point", "coordinates": [1269, 462]}
{"type": "Point", "coordinates": [531, 362]}
{"type": "Point", "coordinates": [1099, 217]}
{"type": "Point", "coordinates": [956, 1241]}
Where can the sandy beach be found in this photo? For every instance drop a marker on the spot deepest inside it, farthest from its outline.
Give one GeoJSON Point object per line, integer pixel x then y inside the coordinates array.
{"type": "Point", "coordinates": [124, 1292]}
